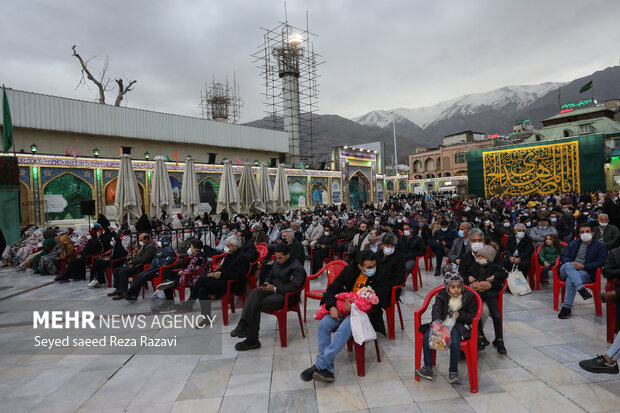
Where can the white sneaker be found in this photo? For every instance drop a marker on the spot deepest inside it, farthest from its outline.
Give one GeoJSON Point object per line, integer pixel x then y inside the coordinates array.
{"type": "Point", "coordinates": [165, 285]}
{"type": "Point", "coordinates": [94, 284]}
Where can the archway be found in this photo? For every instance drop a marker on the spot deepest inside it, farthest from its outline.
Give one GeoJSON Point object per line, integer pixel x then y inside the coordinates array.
{"type": "Point", "coordinates": [63, 196]}
{"type": "Point", "coordinates": [110, 194]}
{"type": "Point", "coordinates": [25, 205]}
{"type": "Point", "coordinates": [319, 194]}
{"type": "Point", "coordinates": [429, 164]}
{"type": "Point", "coordinates": [358, 189]}
{"type": "Point", "coordinates": [208, 189]}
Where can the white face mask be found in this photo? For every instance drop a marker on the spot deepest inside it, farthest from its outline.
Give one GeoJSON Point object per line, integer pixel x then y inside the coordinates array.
{"type": "Point", "coordinates": [586, 237]}
{"type": "Point", "coordinates": [112, 243]}
{"type": "Point", "coordinates": [159, 244]}
{"type": "Point", "coordinates": [506, 224]}
{"type": "Point", "coordinates": [326, 233]}
{"type": "Point", "coordinates": [603, 224]}
{"type": "Point", "coordinates": [482, 261]}
{"type": "Point", "coordinates": [141, 243]}
{"type": "Point", "coordinates": [189, 251]}
{"type": "Point", "coordinates": [186, 235]}
{"type": "Point", "coordinates": [227, 250]}
{"type": "Point", "coordinates": [88, 237]}
{"type": "Point", "coordinates": [476, 246]}
{"type": "Point", "coordinates": [520, 234]}
{"type": "Point", "coordinates": [388, 250]}
{"type": "Point", "coordinates": [406, 233]}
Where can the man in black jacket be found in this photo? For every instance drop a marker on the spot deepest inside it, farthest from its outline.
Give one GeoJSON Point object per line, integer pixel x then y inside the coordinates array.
{"type": "Point", "coordinates": [354, 276]}
{"type": "Point", "coordinates": [287, 275]}
{"type": "Point", "coordinates": [327, 242]}
{"type": "Point", "coordinates": [519, 250]}
{"type": "Point", "coordinates": [133, 266]}
{"type": "Point", "coordinates": [347, 236]}
{"type": "Point", "coordinates": [391, 268]}
{"type": "Point", "coordinates": [411, 246]}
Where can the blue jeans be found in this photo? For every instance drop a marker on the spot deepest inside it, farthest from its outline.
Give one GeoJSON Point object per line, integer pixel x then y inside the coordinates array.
{"type": "Point", "coordinates": [574, 281]}
{"type": "Point", "coordinates": [614, 351]}
{"type": "Point", "coordinates": [328, 348]}
{"type": "Point", "coordinates": [455, 350]}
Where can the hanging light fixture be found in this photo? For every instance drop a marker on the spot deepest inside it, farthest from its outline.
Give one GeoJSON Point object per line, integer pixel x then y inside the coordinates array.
{"type": "Point", "coordinates": [147, 155]}
{"type": "Point", "coordinates": [96, 152]}
{"type": "Point", "coordinates": [33, 148]}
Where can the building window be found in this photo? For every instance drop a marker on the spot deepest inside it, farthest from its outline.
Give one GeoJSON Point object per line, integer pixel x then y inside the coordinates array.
{"type": "Point", "coordinates": [417, 166]}
{"type": "Point", "coordinates": [438, 163]}
{"type": "Point", "coordinates": [460, 157]}
{"type": "Point", "coordinates": [585, 129]}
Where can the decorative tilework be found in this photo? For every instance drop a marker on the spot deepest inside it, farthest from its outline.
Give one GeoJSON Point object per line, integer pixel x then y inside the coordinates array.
{"type": "Point", "coordinates": [24, 174]}
{"type": "Point", "coordinates": [107, 175]}
{"type": "Point", "coordinates": [47, 174]}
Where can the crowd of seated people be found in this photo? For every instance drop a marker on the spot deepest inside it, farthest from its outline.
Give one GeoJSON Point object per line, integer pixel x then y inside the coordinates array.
{"type": "Point", "coordinates": [571, 234]}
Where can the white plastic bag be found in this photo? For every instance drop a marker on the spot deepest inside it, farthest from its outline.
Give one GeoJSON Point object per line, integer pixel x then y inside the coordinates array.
{"type": "Point", "coordinates": [517, 283]}
{"type": "Point", "coordinates": [360, 326]}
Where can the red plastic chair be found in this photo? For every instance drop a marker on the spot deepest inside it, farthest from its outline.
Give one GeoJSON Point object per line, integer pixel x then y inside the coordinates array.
{"type": "Point", "coordinates": [416, 273]}
{"type": "Point", "coordinates": [333, 269]}
{"type": "Point", "coordinates": [390, 311]}
{"type": "Point", "coordinates": [360, 355]}
{"type": "Point", "coordinates": [182, 286]}
{"type": "Point", "coordinates": [111, 268]}
{"type": "Point", "coordinates": [612, 323]}
{"type": "Point", "coordinates": [216, 261]}
{"type": "Point", "coordinates": [504, 239]}
{"type": "Point", "coordinates": [538, 267]}
{"type": "Point", "coordinates": [428, 258]}
{"type": "Point", "coordinates": [469, 347]}
{"type": "Point", "coordinates": [157, 280]}
{"type": "Point", "coordinates": [500, 298]}
{"type": "Point", "coordinates": [262, 253]}
{"type": "Point", "coordinates": [229, 298]}
{"type": "Point", "coordinates": [559, 285]}
{"type": "Point", "coordinates": [282, 313]}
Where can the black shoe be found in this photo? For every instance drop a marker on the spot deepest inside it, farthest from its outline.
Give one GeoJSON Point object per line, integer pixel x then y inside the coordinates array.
{"type": "Point", "coordinates": [246, 345]}
{"type": "Point", "coordinates": [499, 346]}
{"type": "Point", "coordinates": [165, 285]}
{"type": "Point", "coordinates": [131, 298]}
{"type": "Point", "coordinates": [115, 292]}
{"type": "Point", "coordinates": [323, 375]}
{"type": "Point", "coordinates": [437, 272]}
{"type": "Point", "coordinates": [239, 331]}
{"type": "Point", "coordinates": [564, 313]}
{"type": "Point", "coordinates": [453, 377]}
{"type": "Point", "coordinates": [584, 293]}
{"type": "Point", "coordinates": [482, 342]}
{"type": "Point", "coordinates": [308, 373]}
{"type": "Point", "coordinates": [188, 306]}
{"type": "Point", "coordinates": [599, 365]}
{"type": "Point", "coordinates": [425, 373]}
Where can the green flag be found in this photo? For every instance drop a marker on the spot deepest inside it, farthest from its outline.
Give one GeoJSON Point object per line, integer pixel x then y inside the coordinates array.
{"type": "Point", "coordinates": [559, 92]}
{"type": "Point", "coordinates": [168, 158]}
{"type": "Point", "coordinates": [7, 123]}
{"type": "Point", "coordinates": [585, 87]}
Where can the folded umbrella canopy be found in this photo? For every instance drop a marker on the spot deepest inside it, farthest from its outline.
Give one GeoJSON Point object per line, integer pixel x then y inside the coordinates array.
{"type": "Point", "coordinates": [249, 196]}
{"type": "Point", "coordinates": [265, 189]}
{"type": "Point", "coordinates": [281, 195]}
{"type": "Point", "coordinates": [190, 198]}
{"type": "Point", "coordinates": [127, 200]}
{"type": "Point", "coordinates": [228, 196]}
{"type": "Point", "coordinates": [161, 189]}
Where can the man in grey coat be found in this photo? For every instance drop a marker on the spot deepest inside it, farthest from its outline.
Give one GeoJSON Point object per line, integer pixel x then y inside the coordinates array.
{"type": "Point", "coordinates": [460, 246]}
{"type": "Point", "coordinates": [543, 229]}
{"type": "Point", "coordinates": [605, 232]}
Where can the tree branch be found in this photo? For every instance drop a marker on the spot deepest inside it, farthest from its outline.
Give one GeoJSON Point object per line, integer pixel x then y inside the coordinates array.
{"type": "Point", "coordinates": [122, 91]}
{"type": "Point", "coordinates": [101, 83]}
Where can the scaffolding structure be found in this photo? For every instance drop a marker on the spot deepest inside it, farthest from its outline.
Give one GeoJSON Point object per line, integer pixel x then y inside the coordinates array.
{"type": "Point", "coordinates": [288, 66]}
{"type": "Point", "coordinates": [221, 102]}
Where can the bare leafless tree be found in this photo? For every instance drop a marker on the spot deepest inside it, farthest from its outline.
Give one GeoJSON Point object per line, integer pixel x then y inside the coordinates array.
{"type": "Point", "coordinates": [122, 91]}
{"type": "Point", "coordinates": [102, 83]}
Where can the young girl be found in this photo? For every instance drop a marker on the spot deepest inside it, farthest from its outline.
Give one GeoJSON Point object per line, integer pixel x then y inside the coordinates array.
{"type": "Point", "coordinates": [453, 301]}
{"type": "Point", "coordinates": [549, 253]}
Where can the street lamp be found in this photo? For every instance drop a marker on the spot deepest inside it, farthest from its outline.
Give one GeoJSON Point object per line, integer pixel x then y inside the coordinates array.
{"type": "Point", "coordinates": [95, 152]}
{"type": "Point", "coordinates": [33, 148]}
{"type": "Point", "coordinates": [147, 155]}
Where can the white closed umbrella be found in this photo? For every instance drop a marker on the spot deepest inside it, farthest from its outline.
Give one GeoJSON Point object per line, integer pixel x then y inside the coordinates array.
{"type": "Point", "coordinates": [249, 197]}
{"type": "Point", "coordinates": [281, 195]}
{"type": "Point", "coordinates": [161, 189]}
{"type": "Point", "coordinates": [190, 198]}
{"type": "Point", "coordinates": [228, 196]}
{"type": "Point", "coordinates": [127, 200]}
{"type": "Point", "coordinates": [265, 189]}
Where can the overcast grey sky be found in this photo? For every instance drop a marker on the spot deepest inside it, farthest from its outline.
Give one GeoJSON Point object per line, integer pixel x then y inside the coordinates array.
{"type": "Point", "coordinates": [379, 54]}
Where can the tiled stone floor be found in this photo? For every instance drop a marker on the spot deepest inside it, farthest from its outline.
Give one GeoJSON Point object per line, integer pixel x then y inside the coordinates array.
{"type": "Point", "coordinates": [540, 372]}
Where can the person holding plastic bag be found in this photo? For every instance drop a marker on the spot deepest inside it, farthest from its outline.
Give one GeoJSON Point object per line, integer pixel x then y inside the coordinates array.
{"type": "Point", "coordinates": [358, 274]}
{"type": "Point", "coordinates": [453, 312]}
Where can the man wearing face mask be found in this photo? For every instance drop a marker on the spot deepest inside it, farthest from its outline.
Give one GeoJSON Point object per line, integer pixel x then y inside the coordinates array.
{"type": "Point", "coordinates": [359, 242]}
{"type": "Point", "coordinates": [164, 256]}
{"type": "Point", "coordinates": [391, 266]}
{"type": "Point", "coordinates": [347, 236]}
{"type": "Point", "coordinates": [543, 229]}
{"type": "Point", "coordinates": [354, 276]}
{"type": "Point", "coordinates": [144, 255]}
{"type": "Point", "coordinates": [519, 250]}
{"type": "Point", "coordinates": [605, 232]}
{"type": "Point", "coordinates": [441, 243]}
{"type": "Point", "coordinates": [611, 207]}
{"type": "Point", "coordinates": [327, 242]}
{"type": "Point", "coordinates": [313, 233]}
{"type": "Point", "coordinates": [486, 277]}
{"type": "Point", "coordinates": [411, 246]}
{"type": "Point", "coordinates": [187, 239]}
{"type": "Point", "coordinates": [578, 264]}
{"type": "Point", "coordinates": [460, 246]}
{"type": "Point", "coordinates": [100, 264]}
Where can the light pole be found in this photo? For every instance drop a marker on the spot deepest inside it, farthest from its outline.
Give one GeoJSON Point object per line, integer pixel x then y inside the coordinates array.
{"type": "Point", "coordinates": [395, 151]}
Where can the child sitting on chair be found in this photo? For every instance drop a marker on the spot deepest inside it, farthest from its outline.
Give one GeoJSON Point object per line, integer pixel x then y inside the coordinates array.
{"type": "Point", "coordinates": [453, 302]}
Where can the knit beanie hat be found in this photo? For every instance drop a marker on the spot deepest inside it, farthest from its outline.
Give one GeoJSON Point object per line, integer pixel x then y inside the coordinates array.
{"type": "Point", "coordinates": [487, 252]}
{"type": "Point", "coordinates": [452, 277]}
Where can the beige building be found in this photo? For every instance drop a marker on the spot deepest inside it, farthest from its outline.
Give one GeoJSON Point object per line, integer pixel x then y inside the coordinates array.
{"type": "Point", "coordinates": [447, 160]}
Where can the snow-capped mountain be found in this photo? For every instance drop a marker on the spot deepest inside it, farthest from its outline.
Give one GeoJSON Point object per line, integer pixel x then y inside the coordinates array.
{"type": "Point", "coordinates": [513, 98]}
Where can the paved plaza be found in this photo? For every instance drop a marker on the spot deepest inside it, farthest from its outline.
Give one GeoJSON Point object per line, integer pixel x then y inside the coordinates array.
{"type": "Point", "coordinates": [539, 374]}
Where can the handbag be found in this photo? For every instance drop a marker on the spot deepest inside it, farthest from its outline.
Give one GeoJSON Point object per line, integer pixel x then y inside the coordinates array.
{"type": "Point", "coordinates": [517, 283]}
{"type": "Point", "coordinates": [360, 326]}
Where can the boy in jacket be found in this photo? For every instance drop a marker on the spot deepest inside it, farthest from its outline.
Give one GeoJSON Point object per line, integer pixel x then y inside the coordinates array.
{"type": "Point", "coordinates": [454, 301]}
